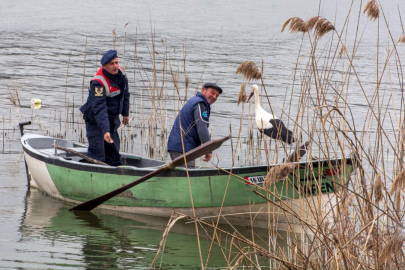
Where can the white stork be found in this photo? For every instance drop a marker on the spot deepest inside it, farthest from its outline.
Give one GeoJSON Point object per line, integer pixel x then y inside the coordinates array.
{"type": "Point", "coordinates": [269, 124]}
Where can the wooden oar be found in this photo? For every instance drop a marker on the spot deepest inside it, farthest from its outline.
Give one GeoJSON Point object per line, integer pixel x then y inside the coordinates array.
{"type": "Point", "coordinates": [191, 155]}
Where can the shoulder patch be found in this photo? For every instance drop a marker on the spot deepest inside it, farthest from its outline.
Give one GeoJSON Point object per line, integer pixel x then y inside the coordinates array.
{"type": "Point", "coordinates": [98, 91]}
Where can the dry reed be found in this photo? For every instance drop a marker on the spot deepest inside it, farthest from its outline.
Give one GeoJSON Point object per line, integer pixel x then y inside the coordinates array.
{"type": "Point", "coordinates": [311, 22]}
{"type": "Point", "coordinates": [296, 25]}
{"type": "Point", "coordinates": [348, 200]}
{"type": "Point", "coordinates": [322, 27]}
{"type": "Point", "coordinates": [242, 94]}
{"type": "Point", "coordinates": [372, 10]}
{"type": "Point", "coordinates": [13, 97]}
{"type": "Point", "coordinates": [358, 231]}
{"type": "Point", "coordinates": [343, 50]}
{"type": "Point", "coordinates": [393, 247]}
{"type": "Point", "coordinates": [278, 173]}
{"type": "Point", "coordinates": [399, 183]}
{"type": "Point", "coordinates": [378, 189]}
{"type": "Point", "coordinates": [249, 71]}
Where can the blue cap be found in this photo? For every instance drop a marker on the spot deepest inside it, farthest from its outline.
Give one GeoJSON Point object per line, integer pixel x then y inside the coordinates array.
{"type": "Point", "coordinates": [108, 56]}
{"type": "Point", "coordinates": [212, 85]}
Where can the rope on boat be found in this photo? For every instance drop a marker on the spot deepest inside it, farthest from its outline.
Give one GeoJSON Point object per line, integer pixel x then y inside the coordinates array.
{"type": "Point", "coordinates": [170, 166]}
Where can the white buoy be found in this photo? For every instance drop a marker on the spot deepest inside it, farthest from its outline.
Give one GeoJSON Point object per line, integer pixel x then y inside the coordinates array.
{"type": "Point", "coordinates": [36, 101]}
{"type": "Point", "coordinates": [36, 106]}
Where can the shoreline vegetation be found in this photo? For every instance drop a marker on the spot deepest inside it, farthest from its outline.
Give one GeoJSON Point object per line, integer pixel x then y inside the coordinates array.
{"type": "Point", "coordinates": [364, 229]}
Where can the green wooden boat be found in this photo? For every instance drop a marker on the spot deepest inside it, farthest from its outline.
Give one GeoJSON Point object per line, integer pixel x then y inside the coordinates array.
{"type": "Point", "coordinates": [309, 192]}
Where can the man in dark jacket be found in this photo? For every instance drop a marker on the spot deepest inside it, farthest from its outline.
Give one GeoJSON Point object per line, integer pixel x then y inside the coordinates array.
{"type": "Point", "coordinates": [194, 118]}
{"type": "Point", "coordinates": [108, 98]}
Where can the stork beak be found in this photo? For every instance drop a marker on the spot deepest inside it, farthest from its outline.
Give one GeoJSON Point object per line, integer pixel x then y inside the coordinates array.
{"type": "Point", "coordinates": [251, 94]}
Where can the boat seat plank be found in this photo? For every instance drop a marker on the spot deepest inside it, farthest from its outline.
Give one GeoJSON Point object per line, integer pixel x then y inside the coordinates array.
{"type": "Point", "coordinates": [51, 151]}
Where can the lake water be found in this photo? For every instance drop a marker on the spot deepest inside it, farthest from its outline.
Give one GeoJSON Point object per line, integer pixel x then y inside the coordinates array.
{"type": "Point", "coordinates": [50, 50]}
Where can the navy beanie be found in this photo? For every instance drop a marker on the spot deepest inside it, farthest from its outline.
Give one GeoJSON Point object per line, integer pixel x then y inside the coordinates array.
{"type": "Point", "coordinates": [108, 56]}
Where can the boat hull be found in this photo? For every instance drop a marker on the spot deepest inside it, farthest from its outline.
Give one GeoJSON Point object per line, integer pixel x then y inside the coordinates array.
{"type": "Point", "coordinates": [203, 193]}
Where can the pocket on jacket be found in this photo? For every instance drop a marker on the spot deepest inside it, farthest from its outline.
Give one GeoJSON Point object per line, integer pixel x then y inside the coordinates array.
{"type": "Point", "coordinates": [87, 111]}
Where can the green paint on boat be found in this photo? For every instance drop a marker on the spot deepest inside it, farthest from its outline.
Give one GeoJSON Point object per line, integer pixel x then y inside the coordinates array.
{"type": "Point", "coordinates": [207, 191]}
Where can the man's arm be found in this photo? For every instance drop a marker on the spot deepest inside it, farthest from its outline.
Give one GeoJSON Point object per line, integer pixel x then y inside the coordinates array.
{"type": "Point", "coordinates": [99, 105]}
{"type": "Point", "coordinates": [125, 108]}
{"type": "Point", "coordinates": [202, 123]}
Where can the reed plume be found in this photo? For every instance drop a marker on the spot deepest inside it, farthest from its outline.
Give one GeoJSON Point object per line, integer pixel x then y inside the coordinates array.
{"type": "Point", "coordinates": [342, 50]}
{"type": "Point", "coordinates": [348, 201]}
{"type": "Point", "coordinates": [249, 71]}
{"type": "Point", "coordinates": [322, 27]}
{"type": "Point", "coordinates": [394, 246]}
{"type": "Point", "coordinates": [311, 22]}
{"type": "Point", "coordinates": [402, 39]}
{"type": "Point", "coordinates": [296, 25]}
{"type": "Point", "coordinates": [372, 10]}
{"type": "Point", "coordinates": [399, 183]}
{"type": "Point", "coordinates": [378, 189]}
{"type": "Point", "coordinates": [242, 94]}
{"type": "Point", "coordinates": [277, 173]}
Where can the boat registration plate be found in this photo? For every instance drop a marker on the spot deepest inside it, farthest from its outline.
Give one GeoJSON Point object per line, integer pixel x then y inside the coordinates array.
{"type": "Point", "coordinates": [257, 180]}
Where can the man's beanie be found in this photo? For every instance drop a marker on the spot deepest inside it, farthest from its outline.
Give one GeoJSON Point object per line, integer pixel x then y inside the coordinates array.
{"type": "Point", "coordinates": [108, 56]}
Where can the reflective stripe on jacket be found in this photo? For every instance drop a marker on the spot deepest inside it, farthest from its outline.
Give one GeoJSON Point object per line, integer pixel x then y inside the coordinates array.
{"type": "Point", "coordinates": [111, 91]}
{"type": "Point", "coordinates": [99, 106]}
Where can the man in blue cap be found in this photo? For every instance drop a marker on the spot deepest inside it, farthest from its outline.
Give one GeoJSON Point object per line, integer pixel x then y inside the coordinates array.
{"type": "Point", "coordinates": [194, 118]}
{"type": "Point", "coordinates": [108, 98]}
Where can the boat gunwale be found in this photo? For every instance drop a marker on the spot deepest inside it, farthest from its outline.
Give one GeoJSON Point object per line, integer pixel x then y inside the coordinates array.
{"type": "Point", "coordinates": [177, 172]}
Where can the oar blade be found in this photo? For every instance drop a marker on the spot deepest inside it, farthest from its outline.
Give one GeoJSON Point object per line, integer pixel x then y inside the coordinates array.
{"type": "Point", "coordinates": [93, 203]}
{"type": "Point", "coordinates": [299, 152]}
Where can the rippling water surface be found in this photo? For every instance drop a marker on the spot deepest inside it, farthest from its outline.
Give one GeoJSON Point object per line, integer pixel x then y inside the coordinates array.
{"type": "Point", "coordinates": [44, 45]}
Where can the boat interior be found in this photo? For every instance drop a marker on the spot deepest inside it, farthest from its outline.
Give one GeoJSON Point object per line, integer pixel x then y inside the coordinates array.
{"type": "Point", "coordinates": [44, 146]}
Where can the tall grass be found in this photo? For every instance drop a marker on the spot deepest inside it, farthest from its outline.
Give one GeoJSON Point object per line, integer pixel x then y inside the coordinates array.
{"type": "Point", "coordinates": [363, 226]}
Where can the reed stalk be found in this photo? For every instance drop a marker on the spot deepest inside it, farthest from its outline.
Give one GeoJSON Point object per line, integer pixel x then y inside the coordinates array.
{"type": "Point", "coordinates": [4, 120]}
{"type": "Point", "coordinates": [84, 69]}
{"type": "Point", "coordinates": [359, 229]}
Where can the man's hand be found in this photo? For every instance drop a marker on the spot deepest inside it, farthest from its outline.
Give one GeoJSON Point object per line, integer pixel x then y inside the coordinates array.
{"type": "Point", "coordinates": [125, 120]}
{"type": "Point", "coordinates": [107, 137]}
{"type": "Point", "coordinates": [207, 157]}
